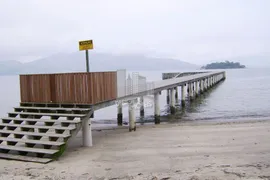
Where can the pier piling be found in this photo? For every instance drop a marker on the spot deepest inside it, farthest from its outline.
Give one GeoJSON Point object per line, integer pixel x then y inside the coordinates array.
{"type": "Point", "coordinates": [183, 96]}
{"type": "Point", "coordinates": [176, 95]}
{"type": "Point", "coordinates": [168, 96]}
{"type": "Point", "coordinates": [141, 106]}
{"type": "Point", "coordinates": [132, 117]}
{"type": "Point", "coordinates": [157, 108]}
{"type": "Point", "coordinates": [172, 102]}
{"type": "Point", "coordinates": [86, 133]}
{"type": "Point", "coordinates": [120, 114]}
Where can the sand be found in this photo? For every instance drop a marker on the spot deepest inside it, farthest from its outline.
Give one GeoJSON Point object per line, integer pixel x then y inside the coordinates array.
{"type": "Point", "coordinates": [187, 151]}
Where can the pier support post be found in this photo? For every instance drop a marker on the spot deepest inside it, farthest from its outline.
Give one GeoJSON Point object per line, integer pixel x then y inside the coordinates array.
{"type": "Point", "coordinates": [191, 91]}
{"type": "Point", "coordinates": [87, 133]}
{"type": "Point", "coordinates": [120, 114]}
{"type": "Point", "coordinates": [141, 106]}
{"type": "Point", "coordinates": [176, 94]}
{"type": "Point", "coordinates": [131, 113]}
{"type": "Point", "coordinates": [172, 102]}
{"type": "Point", "coordinates": [168, 96]}
{"type": "Point", "coordinates": [157, 108]}
{"type": "Point", "coordinates": [183, 95]}
{"type": "Point", "coordinates": [201, 86]}
{"type": "Point", "coordinates": [196, 89]}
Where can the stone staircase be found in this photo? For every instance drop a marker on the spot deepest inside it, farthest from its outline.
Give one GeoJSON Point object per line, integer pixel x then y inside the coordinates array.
{"type": "Point", "coordinates": [40, 132]}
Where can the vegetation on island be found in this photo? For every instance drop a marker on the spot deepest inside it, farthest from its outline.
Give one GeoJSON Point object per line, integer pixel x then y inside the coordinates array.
{"type": "Point", "coordinates": [224, 65]}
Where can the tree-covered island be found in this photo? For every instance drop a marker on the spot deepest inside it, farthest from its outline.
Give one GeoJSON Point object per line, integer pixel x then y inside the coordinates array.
{"type": "Point", "coordinates": [224, 65]}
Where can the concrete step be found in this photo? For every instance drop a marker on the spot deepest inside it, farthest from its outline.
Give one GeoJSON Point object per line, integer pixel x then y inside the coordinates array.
{"type": "Point", "coordinates": [28, 136]}
{"type": "Point", "coordinates": [72, 105]}
{"type": "Point", "coordinates": [43, 120]}
{"type": "Point", "coordinates": [51, 108]}
{"type": "Point", "coordinates": [24, 158]}
{"type": "Point", "coordinates": [47, 114]}
{"type": "Point", "coordinates": [30, 141]}
{"type": "Point", "coordinates": [2, 125]}
{"type": "Point", "coordinates": [27, 149]}
{"type": "Point", "coordinates": [34, 134]}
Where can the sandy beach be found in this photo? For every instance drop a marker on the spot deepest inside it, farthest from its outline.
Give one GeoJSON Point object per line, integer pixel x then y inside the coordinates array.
{"type": "Point", "coordinates": [187, 151]}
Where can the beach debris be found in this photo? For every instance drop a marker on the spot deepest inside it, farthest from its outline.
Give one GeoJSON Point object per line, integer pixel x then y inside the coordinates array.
{"type": "Point", "coordinates": [240, 175]}
{"type": "Point", "coordinates": [194, 178]}
{"type": "Point", "coordinates": [257, 166]}
{"type": "Point", "coordinates": [166, 178]}
{"type": "Point", "coordinates": [225, 165]}
{"type": "Point", "coordinates": [264, 177]}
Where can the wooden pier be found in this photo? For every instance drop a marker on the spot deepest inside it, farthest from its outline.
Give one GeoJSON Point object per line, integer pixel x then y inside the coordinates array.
{"type": "Point", "coordinates": [55, 107]}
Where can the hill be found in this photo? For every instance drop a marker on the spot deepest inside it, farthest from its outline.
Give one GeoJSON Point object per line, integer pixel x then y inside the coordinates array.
{"type": "Point", "coordinates": [224, 65]}
{"type": "Point", "coordinates": [75, 62]}
{"type": "Point", "coordinates": [252, 61]}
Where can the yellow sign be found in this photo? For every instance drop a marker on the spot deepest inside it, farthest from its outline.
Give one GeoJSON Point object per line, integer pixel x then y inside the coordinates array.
{"type": "Point", "coordinates": [85, 45]}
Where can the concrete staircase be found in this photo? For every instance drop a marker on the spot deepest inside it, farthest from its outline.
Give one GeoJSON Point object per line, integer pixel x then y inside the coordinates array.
{"type": "Point", "coordinates": [40, 132]}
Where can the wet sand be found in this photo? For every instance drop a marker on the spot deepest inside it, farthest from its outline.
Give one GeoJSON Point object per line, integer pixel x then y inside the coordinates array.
{"type": "Point", "coordinates": [187, 151]}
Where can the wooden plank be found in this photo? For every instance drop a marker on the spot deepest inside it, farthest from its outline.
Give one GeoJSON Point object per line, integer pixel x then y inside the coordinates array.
{"type": "Point", "coordinates": [52, 95]}
{"type": "Point", "coordinates": [92, 88]}
{"type": "Point", "coordinates": [43, 120]}
{"type": "Point", "coordinates": [51, 108]}
{"type": "Point", "coordinates": [26, 149]}
{"type": "Point", "coordinates": [53, 143]}
{"type": "Point", "coordinates": [23, 90]}
{"type": "Point", "coordinates": [36, 126]}
{"type": "Point", "coordinates": [48, 114]}
{"type": "Point", "coordinates": [67, 88]}
{"type": "Point", "coordinates": [35, 134]}
{"type": "Point", "coordinates": [24, 158]}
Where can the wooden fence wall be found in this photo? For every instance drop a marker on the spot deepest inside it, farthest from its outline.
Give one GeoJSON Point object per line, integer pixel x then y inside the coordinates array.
{"type": "Point", "coordinates": [81, 88]}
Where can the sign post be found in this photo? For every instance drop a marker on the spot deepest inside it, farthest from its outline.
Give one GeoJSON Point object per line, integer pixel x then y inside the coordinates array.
{"type": "Point", "coordinates": [87, 60]}
{"type": "Point", "coordinates": [86, 45]}
{"type": "Point", "coordinates": [86, 124]}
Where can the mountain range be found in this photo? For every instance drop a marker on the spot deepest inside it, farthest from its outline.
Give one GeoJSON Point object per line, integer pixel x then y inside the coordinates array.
{"type": "Point", "coordinates": [75, 62]}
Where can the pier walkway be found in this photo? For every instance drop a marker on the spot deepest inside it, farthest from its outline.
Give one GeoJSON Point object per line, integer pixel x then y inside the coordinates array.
{"type": "Point", "coordinates": [55, 107]}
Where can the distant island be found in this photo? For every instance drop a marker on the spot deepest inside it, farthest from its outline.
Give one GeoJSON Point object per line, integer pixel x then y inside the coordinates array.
{"type": "Point", "coordinates": [224, 65]}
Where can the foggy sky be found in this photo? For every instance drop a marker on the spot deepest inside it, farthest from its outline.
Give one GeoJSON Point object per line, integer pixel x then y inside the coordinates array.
{"type": "Point", "coordinates": [190, 30]}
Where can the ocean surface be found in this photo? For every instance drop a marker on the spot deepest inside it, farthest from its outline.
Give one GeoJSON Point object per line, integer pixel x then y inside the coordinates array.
{"type": "Point", "coordinates": [245, 94]}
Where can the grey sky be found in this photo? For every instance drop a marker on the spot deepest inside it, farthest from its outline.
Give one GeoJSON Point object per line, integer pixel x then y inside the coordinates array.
{"type": "Point", "coordinates": [191, 30]}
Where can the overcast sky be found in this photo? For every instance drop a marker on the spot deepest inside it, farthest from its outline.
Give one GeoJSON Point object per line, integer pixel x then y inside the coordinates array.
{"type": "Point", "coordinates": [190, 30]}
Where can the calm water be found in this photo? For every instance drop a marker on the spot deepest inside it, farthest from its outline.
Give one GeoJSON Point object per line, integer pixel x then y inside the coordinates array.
{"type": "Point", "coordinates": [244, 94]}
